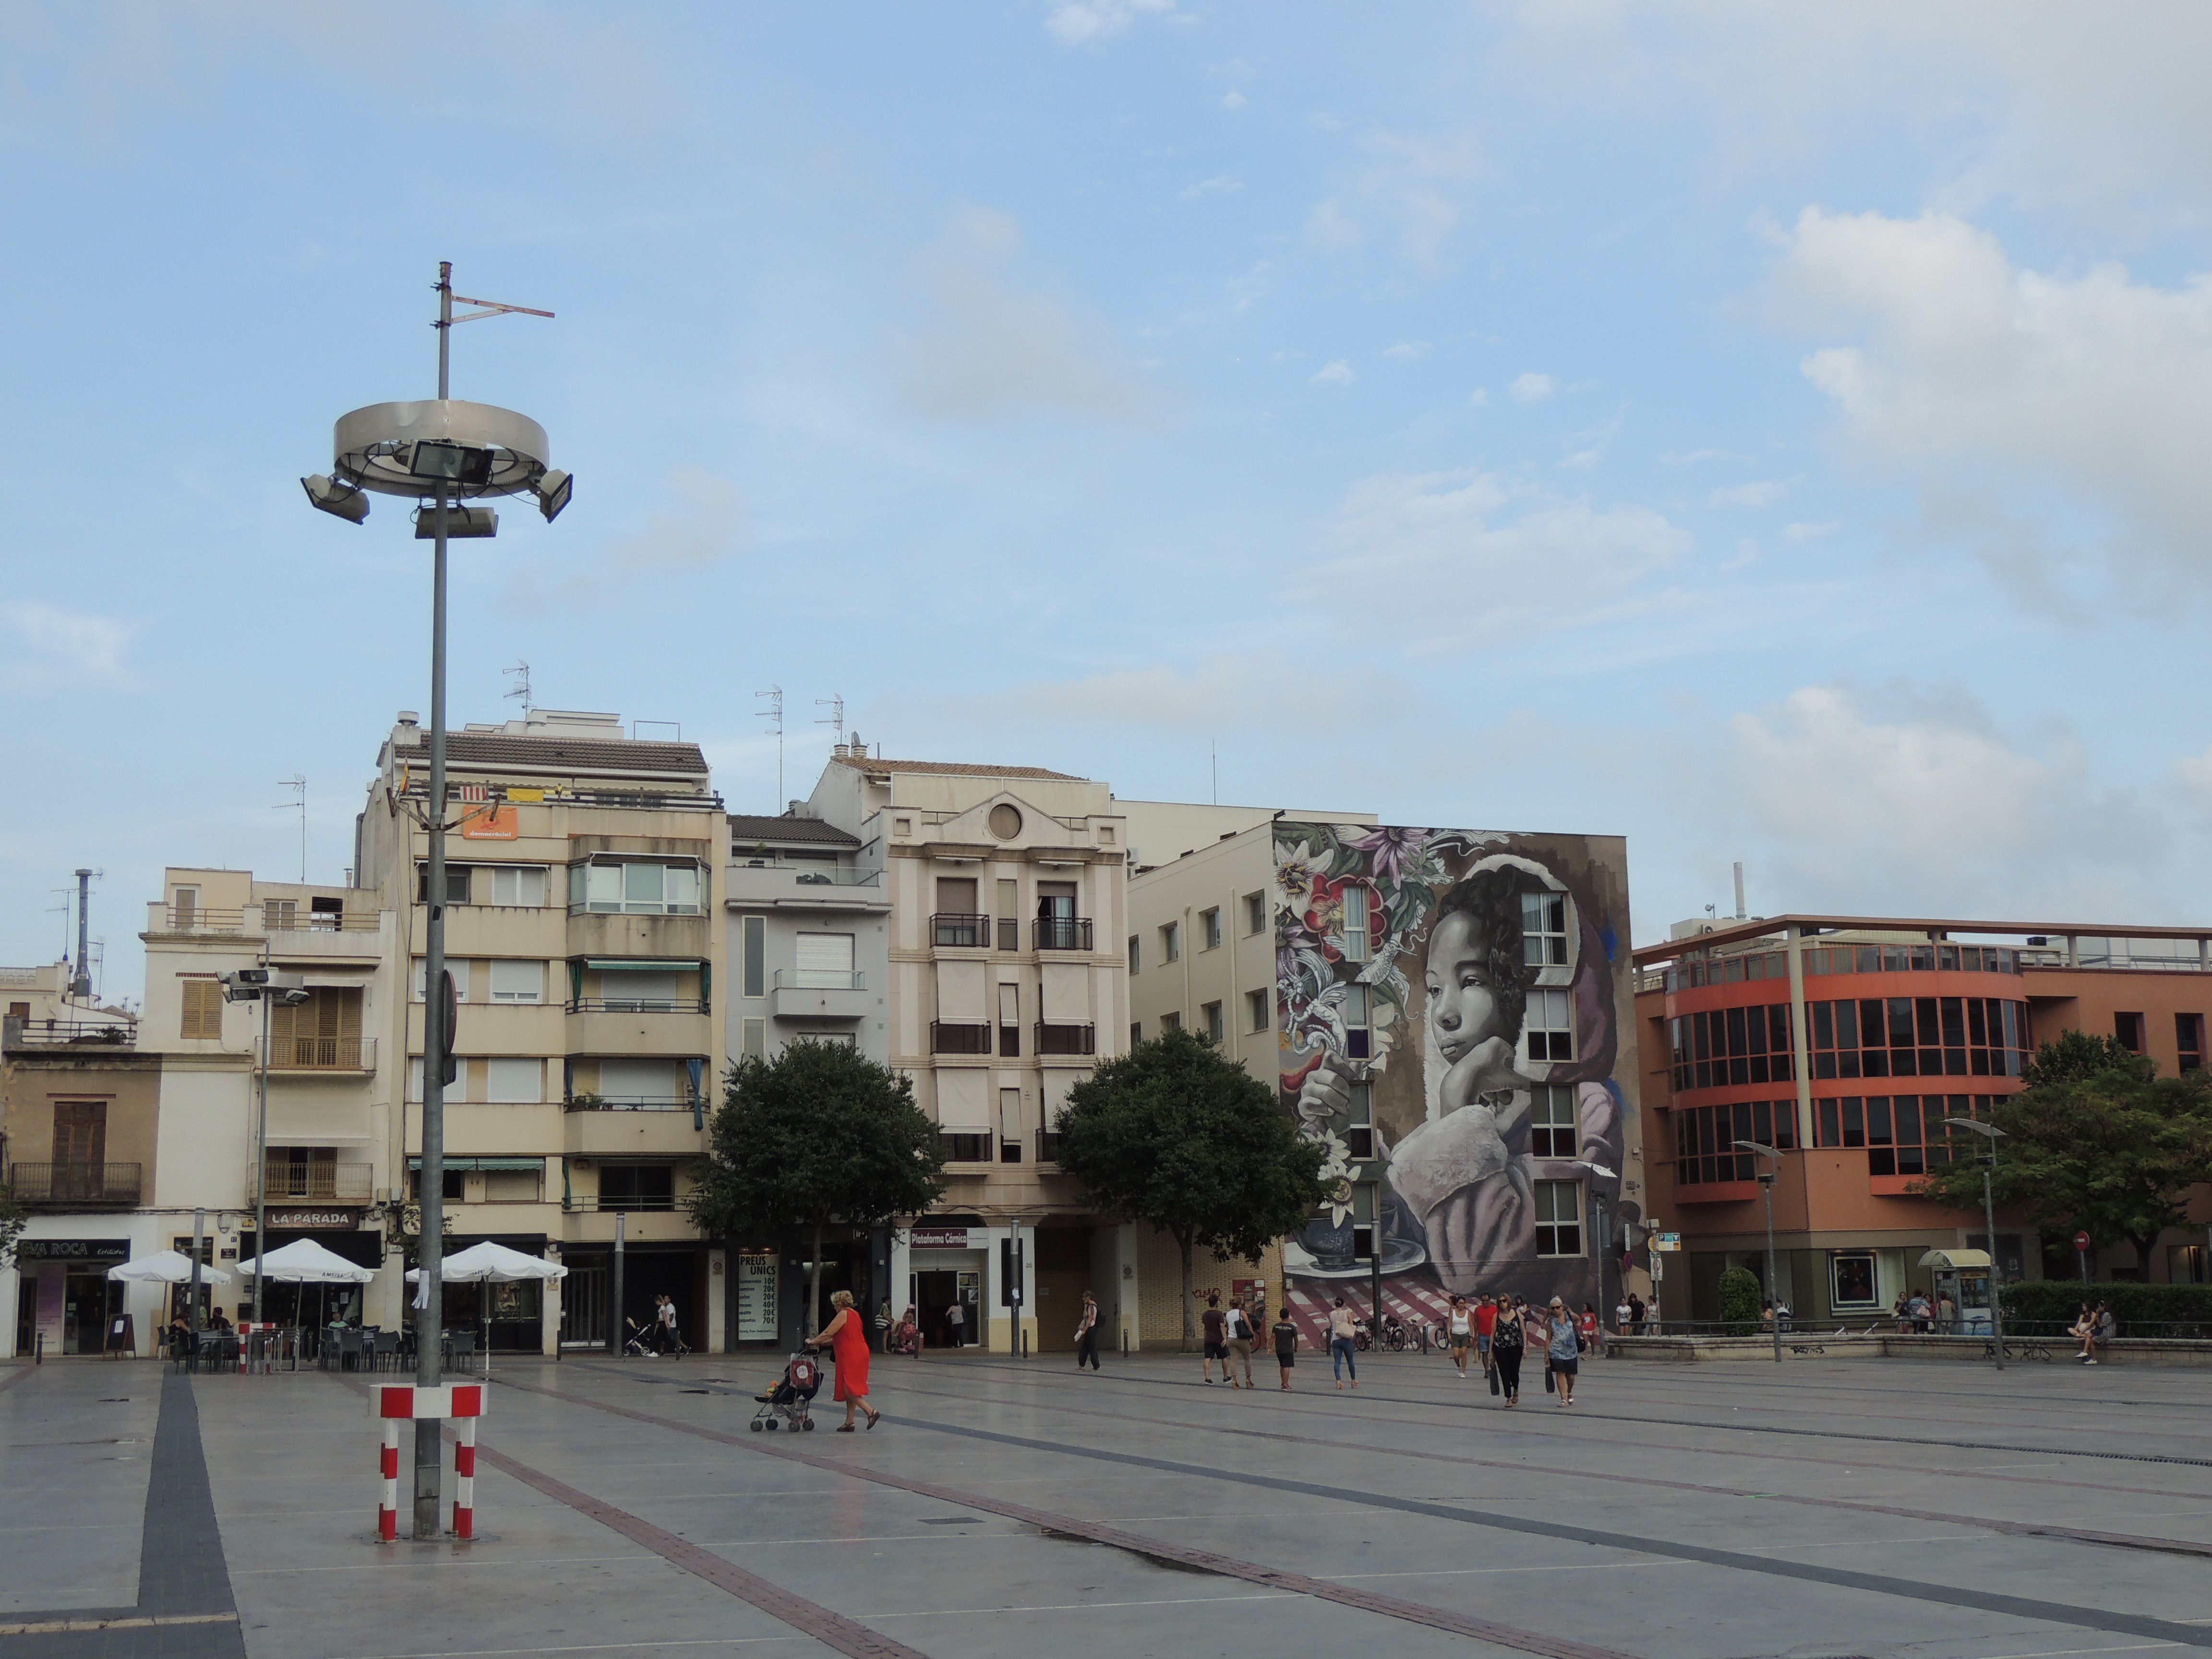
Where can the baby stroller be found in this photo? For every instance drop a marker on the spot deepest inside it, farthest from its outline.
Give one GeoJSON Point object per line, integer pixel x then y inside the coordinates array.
{"type": "Point", "coordinates": [791, 1399]}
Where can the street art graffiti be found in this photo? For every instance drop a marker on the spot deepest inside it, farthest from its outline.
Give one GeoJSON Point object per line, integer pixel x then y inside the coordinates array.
{"type": "Point", "coordinates": [1455, 1009]}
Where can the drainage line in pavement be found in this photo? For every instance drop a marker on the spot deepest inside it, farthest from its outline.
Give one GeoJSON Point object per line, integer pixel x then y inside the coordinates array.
{"type": "Point", "coordinates": [1156, 1550]}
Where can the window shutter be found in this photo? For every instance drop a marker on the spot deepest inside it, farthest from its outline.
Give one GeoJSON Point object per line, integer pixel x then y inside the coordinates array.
{"type": "Point", "coordinates": [825, 953]}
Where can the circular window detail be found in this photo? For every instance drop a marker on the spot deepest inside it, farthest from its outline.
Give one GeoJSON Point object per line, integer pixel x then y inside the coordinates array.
{"type": "Point", "coordinates": [1005, 821]}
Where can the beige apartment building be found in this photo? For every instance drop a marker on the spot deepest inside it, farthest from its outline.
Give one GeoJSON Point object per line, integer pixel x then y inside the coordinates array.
{"type": "Point", "coordinates": [1007, 895]}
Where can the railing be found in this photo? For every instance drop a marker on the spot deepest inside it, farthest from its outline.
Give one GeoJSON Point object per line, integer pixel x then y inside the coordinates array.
{"type": "Point", "coordinates": [322, 1053]}
{"type": "Point", "coordinates": [952, 1037]}
{"type": "Point", "coordinates": [198, 919]}
{"type": "Point", "coordinates": [347, 1183]}
{"type": "Point", "coordinates": [637, 1005]}
{"type": "Point", "coordinates": [284, 918]}
{"type": "Point", "coordinates": [812, 875]}
{"type": "Point", "coordinates": [67, 1033]}
{"type": "Point", "coordinates": [74, 1183]}
{"type": "Point", "coordinates": [608, 1204]}
{"type": "Point", "coordinates": [819, 979]}
{"type": "Point", "coordinates": [626, 1103]}
{"type": "Point", "coordinates": [1066, 1039]}
{"type": "Point", "coordinates": [1061, 933]}
{"type": "Point", "coordinates": [951, 928]}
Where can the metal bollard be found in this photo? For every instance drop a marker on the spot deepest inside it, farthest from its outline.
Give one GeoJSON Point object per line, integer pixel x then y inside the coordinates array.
{"type": "Point", "coordinates": [387, 1466]}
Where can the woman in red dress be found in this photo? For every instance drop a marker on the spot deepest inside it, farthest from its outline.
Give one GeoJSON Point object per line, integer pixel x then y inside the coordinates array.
{"type": "Point", "coordinates": [849, 1347]}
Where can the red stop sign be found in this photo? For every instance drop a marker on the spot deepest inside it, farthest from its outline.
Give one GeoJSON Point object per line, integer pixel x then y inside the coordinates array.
{"type": "Point", "coordinates": [2081, 1241]}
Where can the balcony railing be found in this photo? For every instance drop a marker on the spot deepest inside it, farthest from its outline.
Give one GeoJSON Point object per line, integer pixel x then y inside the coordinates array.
{"type": "Point", "coordinates": [608, 1203]}
{"type": "Point", "coordinates": [638, 1005]}
{"type": "Point", "coordinates": [1061, 933]}
{"type": "Point", "coordinates": [627, 1103]}
{"type": "Point", "coordinates": [819, 979]}
{"type": "Point", "coordinates": [957, 1037]}
{"type": "Point", "coordinates": [196, 919]}
{"type": "Point", "coordinates": [1066, 1039]}
{"type": "Point", "coordinates": [284, 1180]}
{"type": "Point", "coordinates": [64, 1184]}
{"type": "Point", "coordinates": [952, 928]}
{"type": "Point", "coordinates": [812, 875]}
{"type": "Point", "coordinates": [287, 919]}
{"type": "Point", "coordinates": [322, 1053]}
{"type": "Point", "coordinates": [67, 1034]}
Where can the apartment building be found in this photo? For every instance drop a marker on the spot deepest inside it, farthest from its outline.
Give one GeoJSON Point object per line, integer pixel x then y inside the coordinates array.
{"type": "Point", "coordinates": [1845, 1043]}
{"type": "Point", "coordinates": [579, 934]}
{"type": "Point", "coordinates": [1006, 889]}
{"type": "Point", "coordinates": [1307, 945]}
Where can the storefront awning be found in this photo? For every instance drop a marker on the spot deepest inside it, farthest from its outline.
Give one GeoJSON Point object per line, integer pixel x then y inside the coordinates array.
{"type": "Point", "coordinates": [641, 965]}
{"type": "Point", "coordinates": [1955, 1259]}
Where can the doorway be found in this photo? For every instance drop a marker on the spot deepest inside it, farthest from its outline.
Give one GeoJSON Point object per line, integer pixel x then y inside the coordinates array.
{"type": "Point", "coordinates": [1063, 1273]}
{"type": "Point", "coordinates": [85, 1311]}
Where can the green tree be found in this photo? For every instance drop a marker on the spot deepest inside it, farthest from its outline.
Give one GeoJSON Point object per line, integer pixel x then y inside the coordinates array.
{"type": "Point", "coordinates": [1175, 1134]}
{"type": "Point", "coordinates": [12, 1217]}
{"type": "Point", "coordinates": [819, 1136]}
{"type": "Point", "coordinates": [1739, 1301]}
{"type": "Point", "coordinates": [2096, 1142]}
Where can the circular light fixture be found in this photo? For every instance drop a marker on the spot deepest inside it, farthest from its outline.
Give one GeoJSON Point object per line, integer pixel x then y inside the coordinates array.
{"type": "Point", "coordinates": [471, 449]}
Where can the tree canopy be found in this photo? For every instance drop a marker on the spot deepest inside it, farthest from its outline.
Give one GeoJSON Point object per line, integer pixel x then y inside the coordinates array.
{"type": "Point", "coordinates": [2096, 1142]}
{"type": "Point", "coordinates": [1175, 1134]}
{"type": "Point", "coordinates": [817, 1137]}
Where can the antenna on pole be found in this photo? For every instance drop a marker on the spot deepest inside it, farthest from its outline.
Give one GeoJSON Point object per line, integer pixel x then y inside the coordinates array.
{"type": "Point", "coordinates": [520, 675]}
{"type": "Point", "coordinates": [773, 715]}
{"type": "Point", "coordinates": [297, 781]}
{"type": "Point", "coordinates": [835, 703]}
{"type": "Point", "coordinates": [81, 981]}
{"type": "Point", "coordinates": [1214, 754]}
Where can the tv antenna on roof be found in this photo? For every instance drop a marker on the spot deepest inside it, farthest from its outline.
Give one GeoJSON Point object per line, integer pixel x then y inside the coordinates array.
{"type": "Point", "coordinates": [520, 674]}
{"type": "Point", "coordinates": [297, 781]}
{"type": "Point", "coordinates": [835, 703]}
{"type": "Point", "coordinates": [773, 715]}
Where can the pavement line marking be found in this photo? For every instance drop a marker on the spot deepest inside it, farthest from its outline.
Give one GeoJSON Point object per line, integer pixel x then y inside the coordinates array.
{"type": "Point", "coordinates": [2071, 1653]}
{"type": "Point", "coordinates": [445, 1566]}
{"type": "Point", "coordinates": [70, 1627]}
{"type": "Point", "coordinates": [1089, 1606]}
{"type": "Point", "coordinates": [591, 1647]}
{"type": "Point", "coordinates": [1137, 1544]}
{"type": "Point", "coordinates": [1473, 1572]}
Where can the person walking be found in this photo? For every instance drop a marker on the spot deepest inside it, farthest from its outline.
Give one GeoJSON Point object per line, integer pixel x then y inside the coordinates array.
{"type": "Point", "coordinates": [1459, 1328]}
{"type": "Point", "coordinates": [1636, 1312]}
{"type": "Point", "coordinates": [956, 1324]}
{"type": "Point", "coordinates": [1086, 1334]}
{"type": "Point", "coordinates": [1946, 1314]}
{"type": "Point", "coordinates": [1563, 1335]}
{"type": "Point", "coordinates": [1506, 1349]}
{"type": "Point", "coordinates": [848, 1347]}
{"type": "Point", "coordinates": [1286, 1343]}
{"type": "Point", "coordinates": [1485, 1333]}
{"type": "Point", "coordinates": [664, 1319]}
{"type": "Point", "coordinates": [1591, 1332]}
{"type": "Point", "coordinates": [1238, 1329]}
{"type": "Point", "coordinates": [1215, 1330]}
{"type": "Point", "coordinates": [1620, 1317]}
{"type": "Point", "coordinates": [1343, 1325]}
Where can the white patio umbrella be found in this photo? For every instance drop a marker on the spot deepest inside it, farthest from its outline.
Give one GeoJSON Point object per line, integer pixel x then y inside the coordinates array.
{"type": "Point", "coordinates": [303, 1262]}
{"type": "Point", "coordinates": [489, 1263]}
{"type": "Point", "coordinates": [166, 1267]}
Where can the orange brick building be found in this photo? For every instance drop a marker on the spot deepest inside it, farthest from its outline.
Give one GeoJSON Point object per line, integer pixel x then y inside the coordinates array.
{"type": "Point", "coordinates": [1845, 1041]}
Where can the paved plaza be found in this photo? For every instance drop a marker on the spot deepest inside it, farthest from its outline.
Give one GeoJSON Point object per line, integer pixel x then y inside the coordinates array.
{"type": "Point", "coordinates": [1015, 1507]}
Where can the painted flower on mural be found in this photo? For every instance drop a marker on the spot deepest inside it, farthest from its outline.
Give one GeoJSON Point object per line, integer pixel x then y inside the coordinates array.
{"type": "Point", "coordinates": [1395, 855]}
{"type": "Point", "coordinates": [1296, 868]}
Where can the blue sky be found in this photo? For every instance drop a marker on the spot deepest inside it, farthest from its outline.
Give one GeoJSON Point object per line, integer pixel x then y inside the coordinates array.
{"type": "Point", "coordinates": [1765, 436]}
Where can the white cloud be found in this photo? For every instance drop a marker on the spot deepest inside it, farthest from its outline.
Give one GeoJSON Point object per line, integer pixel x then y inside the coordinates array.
{"type": "Point", "coordinates": [1480, 397]}
{"type": "Point", "coordinates": [1970, 364]}
{"type": "Point", "coordinates": [1336, 373]}
{"type": "Point", "coordinates": [1250, 688]}
{"type": "Point", "coordinates": [1810, 532]}
{"type": "Point", "coordinates": [1222, 184]}
{"type": "Point", "coordinates": [1763, 494]}
{"type": "Point", "coordinates": [1233, 101]}
{"type": "Point", "coordinates": [1530, 388]}
{"type": "Point", "coordinates": [1327, 227]}
{"type": "Point", "coordinates": [66, 648]}
{"type": "Point", "coordinates": [1462, 558]}
{"type": "Point", "coordinates": [990, 350]}
{"type": "Point", "coordinates": [1082, 22]}
{"type": "Point", "coordinates": [1408, 351]}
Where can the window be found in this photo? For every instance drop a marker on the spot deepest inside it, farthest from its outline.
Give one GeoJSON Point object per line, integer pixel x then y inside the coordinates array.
{"type": "Point", "coordinates": [1010, 1020]}
{"type": "Point", "coordinates": [279, 915]}
{"type": "Point", "coordinates": [1850, 1279]}
{"type": "Point", "coordinates": [457, 966]}
{"type": "Point", "coordinates": [1256, 913]}
{"type": "Point", "coordinates": [1209, 930]}
{"type": "Point", "coordinates": [79, 1147]}
{"type": "Point", "coordinates": [1170, 1023]}
{"type": "Point", "coordinates": [1706, 1138]}
{"type": "Point", "coordinates": [1357, 941]}
{"type": "Point", "coordinates": [824, 961]}
{"type": "Point", "coordinates": [1136, 1032]}
{"type": "Point", "coordinates": [965, 1148]}
{"type": "Point", "coordinates": [185, 907]}
{"type": "Point", "coordinates": [639, 991]}
{"type": "Point", "coordinates": [1358, 1005]}
{"type": "Point", "coordinates": [1256, 1011]}
{"type": "Point", "coordinates": [1549, 1027]}
{"type": "Point", "coordinates": [618, 887]}
{"type": "Point", "coordinates": [752, 1039]}
{"type": "Point", "coordinates": [1903, 1135]}
{"type": "Point", "coordinates": [637, 1187]}
{"type": "Point", "coordinates": [457, 883]}
{"type": "Point", "coordinates": [514, 1082]}
{"type": "Point", "coordinates": [1559, 1218]}
{"type": "Point", "coordinates": [517, 982]}
{"type": "Point", "coordinates": [1005, 821]}
{"type": "Point", "coordinates": [2189, 1041]}
{"type": "Point", "coordinates": [2129, 1027]}
{"type": "Point", "coordinates": [202, 1008]}
{"type": "Point", "coordinates": [1729, 1048]}
{"type": "Point", "coordinates": [1552, 1121]}
{"type": "Point", "coordinates": [1133, 953]}
{"type": "Point", "coordinates": [1010, 914]}
{"type": "Point", "coordinates": [1909, 1036]}
{"type": "Point", "coordinates": [1010, 1126]}
{"type": "Point", "coordinates": [752, 953]}
{"type": "Point", "coordinates": [1544, 929]}
{"type": "Point", "coordinates": [1216, 1031]}
{"type": "Point", "coordinates": [511, 884]}
{"type": "Point", "coordinates": [1172, 942]}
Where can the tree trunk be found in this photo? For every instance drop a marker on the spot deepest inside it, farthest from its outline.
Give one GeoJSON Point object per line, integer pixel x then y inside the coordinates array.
{"type": "Point", "coordinates": [2144, 1243]}
{"type": "Point", "coordinates": [814, 1283]}
{"type": "Point", "coordinates": [1189, 1293]}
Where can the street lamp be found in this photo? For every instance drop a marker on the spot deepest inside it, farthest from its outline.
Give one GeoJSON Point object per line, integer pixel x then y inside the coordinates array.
{"type": "Point", "coordinates": [442, 454]}
{"type": "Point", "coordinates": [1766, 1185]}
{"type": "Point", "coordinates": [1990, 1133]}
{"type": "Point", "coordinates": [269, 988]}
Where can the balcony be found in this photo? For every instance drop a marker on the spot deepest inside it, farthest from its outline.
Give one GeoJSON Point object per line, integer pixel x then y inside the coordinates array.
{"type": "Point", "coordinates": [950, 930]}
{"type": "Point", "coordinates": [328, 1055]}
{"type": "Point", "coordinates": [1067, 1040]}
{"type": "Point", "coordinates": [638, 1005]}
{"type": "Point", "coordinates": [803, 887]}
{"type": "Point", "coordinates": [820, 994]}
{"type": "Point", "coordinates": [619, 1203]}
{"type": "Point", "coordinates": [193, 919]}
{"type": "Point", "coordinates": [284, 917]}
{"type": "Point", "coordinates": [959, 1037]}
{"type": "Point", "coordinates": [628, 1104]}
{"type": "Point", "coordinates": [74, 1185]}
{"type": "Point", "coordinates": [283, 1182]}
{"type": "Point", "coordinates": [42, 1033]}
{"type": "Point", "coordinates": [1061, 933]}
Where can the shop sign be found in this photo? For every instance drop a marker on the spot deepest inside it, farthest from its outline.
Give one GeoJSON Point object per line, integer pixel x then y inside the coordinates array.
{"type": "Point", "coordinates": [315, 1220]}
{"type": "Point", "coordinates": [756, 1282]}
{"type": "Point", "coordinates": [1666, 1241]}
{"type": "Point", "coordinates": [937, 1238]}
{"type": "Point", "coordinates": [72, 1249]}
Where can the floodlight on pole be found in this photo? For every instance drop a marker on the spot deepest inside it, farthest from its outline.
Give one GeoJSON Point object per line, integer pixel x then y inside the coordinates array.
{"type": "Point", "coordinates": [1991, 1134]}
{"type": "Point", "coordinates": [444, 454]}
{"type": "Point", "coordinates": [1766, 1186]}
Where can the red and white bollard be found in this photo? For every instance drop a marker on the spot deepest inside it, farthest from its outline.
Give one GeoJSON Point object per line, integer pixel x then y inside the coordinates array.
{"type": "Point", "coordinates": [394, 1403]}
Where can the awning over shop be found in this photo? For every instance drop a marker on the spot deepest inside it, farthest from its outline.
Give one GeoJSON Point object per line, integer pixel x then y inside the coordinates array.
{"type": "Point", "coordinates": [1956, 1258]}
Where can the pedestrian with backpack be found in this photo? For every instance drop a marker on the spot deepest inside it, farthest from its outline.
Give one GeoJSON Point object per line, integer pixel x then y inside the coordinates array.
{"type": "Point", "coordinates": [1240, 1331]}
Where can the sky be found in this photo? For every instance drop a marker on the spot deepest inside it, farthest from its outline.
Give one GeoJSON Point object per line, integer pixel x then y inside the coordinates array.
{"type": "Point", "coordinates": [1770, 433]}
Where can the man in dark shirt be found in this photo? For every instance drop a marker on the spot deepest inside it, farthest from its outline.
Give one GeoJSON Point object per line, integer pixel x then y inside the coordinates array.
{"type": "Point", "coordinates": [1216, 1345]}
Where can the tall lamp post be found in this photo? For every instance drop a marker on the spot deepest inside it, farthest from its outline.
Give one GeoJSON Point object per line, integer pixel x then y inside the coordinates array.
{"type": "Point", "coordinates": [443, 453]}
{"type": "Point", "coordinates": [1766, 1185]}
{"type": "Point", "coordinates": [1988, 1160]}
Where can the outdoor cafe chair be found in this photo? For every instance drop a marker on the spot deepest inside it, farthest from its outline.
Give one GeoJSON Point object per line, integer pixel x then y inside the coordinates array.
{"type": "Point", "coordinates": [385, 1354]}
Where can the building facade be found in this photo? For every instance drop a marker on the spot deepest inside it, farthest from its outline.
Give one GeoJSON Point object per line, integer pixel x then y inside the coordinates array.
{"type": "Point", "coordinates": [1844, 1044]}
